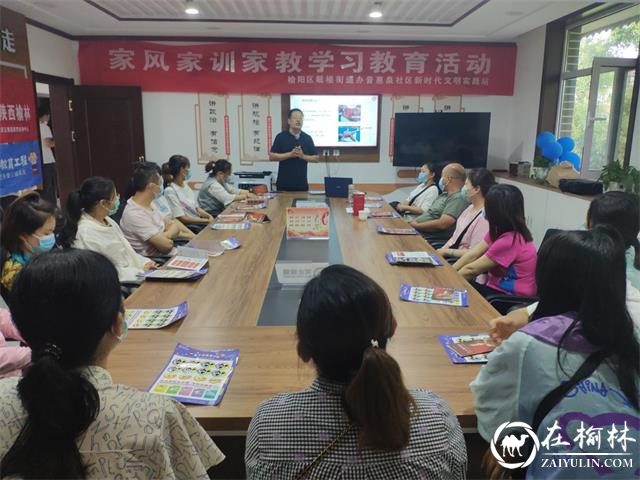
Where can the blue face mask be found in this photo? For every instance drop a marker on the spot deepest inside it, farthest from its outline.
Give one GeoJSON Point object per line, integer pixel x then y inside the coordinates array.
{"type": "Point", "coordinates": [115, 208]}
{"type": "Point", "coordinates": [441, 185]}
{"type": "Point", "coordinates": [125, 330]}
{"type": "Point", "coordinates": [463, 190]}
{"type": "Point", "coordinates": [422, 177]}
{"type": "Point", "coordinates": [188, 177]}
{"type": "Point", "coordinates": [45, 244]}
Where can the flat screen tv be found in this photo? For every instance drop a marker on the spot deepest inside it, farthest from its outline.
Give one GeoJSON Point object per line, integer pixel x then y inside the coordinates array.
{"type": "Point", "coordinates": [441, 138]}
{"type": "Point", "coordinates": [339, 120]}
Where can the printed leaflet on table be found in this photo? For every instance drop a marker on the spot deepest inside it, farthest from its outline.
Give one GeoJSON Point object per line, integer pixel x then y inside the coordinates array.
{"type": "Point", "coordinates": [188, 258]}
{"type": "Point", "coordinates": [196, 376]}
{"type": "Point", "coordinates": [434, 295]}
{"type": "Point", "coordinates": [154, 317]}
{"type": "Point", "coordinates": [396, 231]}
{"type": "Point", "coordinates": [471, 348]}
{"type": "Point", "coordinates": [412, 258]}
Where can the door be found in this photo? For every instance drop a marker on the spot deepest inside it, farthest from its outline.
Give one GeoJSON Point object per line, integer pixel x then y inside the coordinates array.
{"type": "Point", "coordinates": [107, 131]}
{"type": "Point", "coordinates": [608, 113]}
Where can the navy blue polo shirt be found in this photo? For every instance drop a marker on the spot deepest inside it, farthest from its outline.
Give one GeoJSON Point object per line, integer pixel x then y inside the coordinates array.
{"type": "Point", "coordinates": [292, 173]}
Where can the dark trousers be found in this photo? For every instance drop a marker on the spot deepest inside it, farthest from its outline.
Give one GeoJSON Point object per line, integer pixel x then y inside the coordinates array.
{"type": "Point", "coordinates": [50, 182]}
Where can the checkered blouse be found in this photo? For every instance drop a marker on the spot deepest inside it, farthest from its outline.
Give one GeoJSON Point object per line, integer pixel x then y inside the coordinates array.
{"type": "Point", "coordinates": [290, 429]}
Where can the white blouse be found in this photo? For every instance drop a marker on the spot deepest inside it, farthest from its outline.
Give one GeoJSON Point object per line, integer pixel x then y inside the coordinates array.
{"type": "Point", "coordinates": [424, 199]}
{"type": "Point", "coordinates": [182, 200]}
{"type": "Point", "coordinates": [110, 242]}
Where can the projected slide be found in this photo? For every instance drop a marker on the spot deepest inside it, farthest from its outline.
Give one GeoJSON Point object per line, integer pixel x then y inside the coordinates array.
{"type": "Point", "coordinates": [339, 120]}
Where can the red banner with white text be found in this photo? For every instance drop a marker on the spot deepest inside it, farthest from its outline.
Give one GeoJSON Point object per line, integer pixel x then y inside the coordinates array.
{"type": "Point", "coordinates": [444, 69]}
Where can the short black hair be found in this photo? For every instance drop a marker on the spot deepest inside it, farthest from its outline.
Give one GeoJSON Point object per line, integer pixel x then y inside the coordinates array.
{"type": "Point", "coordinates": [42, 111]}
{"type": "Point", "coordinates": [294, 110]}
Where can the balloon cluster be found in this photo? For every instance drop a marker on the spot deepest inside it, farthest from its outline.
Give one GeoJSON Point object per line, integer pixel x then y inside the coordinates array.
{"type": "Point", "coordinates": [559, 150]}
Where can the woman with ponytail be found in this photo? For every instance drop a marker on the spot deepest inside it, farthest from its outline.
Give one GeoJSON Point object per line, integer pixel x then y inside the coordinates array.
{"type": "Point", "coordinates": [65, 418]}
{"type": "Point", "coordinates": [89, 226]}
{"type": "Point", "coordinates": [216, 192]}
{"type": "Point", "coordinates": [357, 419]}
{"type": "Point", "coordinates": [181, 197]}
{"type": "Point", "coordinates": [28, 229]}
{"type": "Point", "coordinates": [582, 339]}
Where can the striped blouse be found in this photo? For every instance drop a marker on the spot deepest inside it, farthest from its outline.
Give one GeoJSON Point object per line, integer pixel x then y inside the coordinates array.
{"type": "Point", "coordinates": [290, 429]}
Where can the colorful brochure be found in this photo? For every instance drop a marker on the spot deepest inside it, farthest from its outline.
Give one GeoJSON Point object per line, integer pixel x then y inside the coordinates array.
{"type": "Point", "coordinates": [231, 226]}
{"type": "Point", "coordinates": [196, 376]}
{"type": "Point", "coordinates": [151, 318]}
{"type": "Point", "coordinates": [250, 206]}
{"type": "Point", "coordinates": [412, 258]}
{"type": "Point", "coordinates": [383, 214]}
{"type": "Point", "coordinates": [434, 295]}
{"type": "Point", "coordinates": [189, 258]}
{"type": "Point", "coordinates": [471, 348]}
{"type": "Point", "coordinates": [396, 231]}
{"type": "Point", "coordinates": [230, 217]}
{"type": "Point", "coordinates": [256, 217]}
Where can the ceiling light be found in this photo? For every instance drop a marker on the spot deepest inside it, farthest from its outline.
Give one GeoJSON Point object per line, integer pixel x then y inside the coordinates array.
{"type": "Point", "coordinates": [190, 8]}
{"type": "Point", "coordinates": [377, 10]}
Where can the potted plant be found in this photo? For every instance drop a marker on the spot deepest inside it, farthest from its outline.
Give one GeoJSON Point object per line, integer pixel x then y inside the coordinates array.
{"type": "Point", "coordinates": [541, 166]}
{"type": "Point", "coordinates": [614, 176]}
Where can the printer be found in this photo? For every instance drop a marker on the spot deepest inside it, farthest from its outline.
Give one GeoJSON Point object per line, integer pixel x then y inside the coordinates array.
{"type": "Point", "coordinates": [248, 180]}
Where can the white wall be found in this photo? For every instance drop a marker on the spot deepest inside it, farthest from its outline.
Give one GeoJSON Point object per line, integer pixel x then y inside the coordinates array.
{"type": "Point", "coordinates": [52, 54]}
{"type": "Point", "coordinates": [526, 99]}
{"type": "Point", "coordinates": [170, 127]}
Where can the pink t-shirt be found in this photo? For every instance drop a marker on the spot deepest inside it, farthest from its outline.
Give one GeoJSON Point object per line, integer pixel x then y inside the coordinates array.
{"type": "Point", "coordinates": [138, 225]}
{"type": "Point", "coordinates": [516, 259]}
{"type": "Point", "coordinates": [478, 229]}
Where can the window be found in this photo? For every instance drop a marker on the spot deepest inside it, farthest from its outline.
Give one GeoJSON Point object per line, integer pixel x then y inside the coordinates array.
{"type": "Point", "coordinates": [598, 75]}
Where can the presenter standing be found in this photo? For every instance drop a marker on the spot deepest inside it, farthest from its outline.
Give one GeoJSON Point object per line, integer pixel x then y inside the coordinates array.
{"type": "Point", "coordinates": [293, 149]}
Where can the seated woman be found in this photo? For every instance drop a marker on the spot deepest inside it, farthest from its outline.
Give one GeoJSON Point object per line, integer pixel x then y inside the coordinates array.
{"type": "Point", "coordinates": [27, 230]}
{"type": "Point", "coordinates": [357, 419]}
{"type": "Point", "coordinates": [145, 228]}
{"type": "Point", "coordinates": [472, 226]}
{"type": "Point", "coordinates": [581, 332]}
{"type": "Point", "coordinates": [216, 192]}
{"type": "Point", "coordinates": [65, 418]}
{"type": "Point", "coordinates": [507, 254]}
{"type": "Point", "coordinates": [421, 198]}
{"type": "Point", "coordinates": [13, 358]}
{"type": "Point", "coordinates": [618, 210]}
{"type": "Point", "coordinates": [89, 227]}
{"type": "Point", "coordinates": [178, 193]}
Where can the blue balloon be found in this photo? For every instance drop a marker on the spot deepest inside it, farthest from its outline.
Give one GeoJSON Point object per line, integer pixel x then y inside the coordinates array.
{"type": "Point", "coordinates": [544, 138]}
{"type": "Point", "coordinates": [571, 157]}
{"type": "Point", "coordinates": [552, 150]}
{"type": "Point", "coordinates": [567, 143]}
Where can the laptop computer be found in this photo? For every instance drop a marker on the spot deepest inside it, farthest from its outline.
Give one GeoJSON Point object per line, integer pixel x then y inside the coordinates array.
{"type": "Point", "coordinates": [337, 186]}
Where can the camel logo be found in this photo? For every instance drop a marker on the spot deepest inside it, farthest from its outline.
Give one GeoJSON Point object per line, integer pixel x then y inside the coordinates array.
{"type": "Point", "coordinates": [511, 444]}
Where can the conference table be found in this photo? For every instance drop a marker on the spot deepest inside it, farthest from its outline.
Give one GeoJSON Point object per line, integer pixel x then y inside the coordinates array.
{"type": "Point", "coordinates": [226, 304]}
